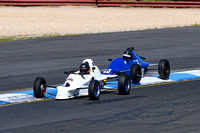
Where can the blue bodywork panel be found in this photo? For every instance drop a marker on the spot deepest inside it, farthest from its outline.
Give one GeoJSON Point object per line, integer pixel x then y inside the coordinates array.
{"type": "Point", "coordinates": [119, 65]}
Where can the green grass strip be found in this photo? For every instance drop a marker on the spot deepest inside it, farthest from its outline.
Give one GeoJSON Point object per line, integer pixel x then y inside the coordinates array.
{"type": "Point", "coordinates": [14, 38]}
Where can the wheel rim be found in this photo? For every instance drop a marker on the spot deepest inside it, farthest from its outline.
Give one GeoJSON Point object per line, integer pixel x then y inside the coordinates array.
{"type": "Point", "coordinates": [166, 70]}
{"type": "Point", "coordinates": [42, 88]}
{"type": "Point", "coordinates": [137, 75]}
{"type": "Point", "coordinates": [97, 90]}
{"type": "Point", "coordinates": [127, 85]}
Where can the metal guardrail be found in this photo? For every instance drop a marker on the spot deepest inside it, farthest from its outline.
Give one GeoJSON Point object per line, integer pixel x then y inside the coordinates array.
{"type": "Point", "coordinates": [47, 2]}
{"type": "Point", "coordinates": [103, 3]}
{"type": "Point", "coordinates": [107, 3]}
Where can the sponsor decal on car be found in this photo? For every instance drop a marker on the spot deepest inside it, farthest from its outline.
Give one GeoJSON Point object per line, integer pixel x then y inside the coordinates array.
{"type": "Point", "coordinates": [107, 71]}
{"type": "Point", "coordinates": [70, 79]}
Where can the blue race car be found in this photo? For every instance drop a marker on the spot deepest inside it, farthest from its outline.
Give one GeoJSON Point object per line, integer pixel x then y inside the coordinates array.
{"type": "Point", "coordinates": [135, 67]}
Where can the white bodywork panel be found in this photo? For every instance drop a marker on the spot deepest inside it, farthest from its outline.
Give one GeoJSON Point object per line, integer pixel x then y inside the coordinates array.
{"type": "Point", "coordinates": [77, 85]}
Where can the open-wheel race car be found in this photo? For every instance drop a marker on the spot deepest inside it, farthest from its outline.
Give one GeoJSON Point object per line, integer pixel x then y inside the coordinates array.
{"type": "Point", "coordinates": [87, 81]}
{"type": "Point", "coordinates": [134, 66]}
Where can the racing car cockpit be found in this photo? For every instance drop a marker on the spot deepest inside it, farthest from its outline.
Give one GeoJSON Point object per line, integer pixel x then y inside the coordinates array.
{"type": "Point", "coordinates": [84, 68]}
{"type": "Point", "coordinates": [128, 55]}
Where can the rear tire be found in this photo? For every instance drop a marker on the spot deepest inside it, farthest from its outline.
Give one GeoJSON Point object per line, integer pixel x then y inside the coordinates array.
{"type": "Point", "coordinates": [135, 73]}
{"type": "Point", "coordinates": [124, 84]}
{"type": "Point", "coordinates": [94, 90]}
{"type": "Point", "coordinates": [39, 87]}
{"type": "Point", "coordinates": [164, 69]}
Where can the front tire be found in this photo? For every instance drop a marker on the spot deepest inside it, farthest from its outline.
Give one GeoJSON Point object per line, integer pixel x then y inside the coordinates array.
{"type": "Point", "coordinates": [135, 73]}
{"type": "Point", "coordinates": [124, 84]}
{"type": "Point", "coordinates": [164, 69]}
{"type": "Point", "coordinates": [39, 87]}
{"type": "Point", "coordinates": [94, 90]}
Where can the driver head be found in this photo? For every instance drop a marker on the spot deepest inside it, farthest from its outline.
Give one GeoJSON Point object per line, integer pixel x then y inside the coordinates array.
{"type": "Point", "coordinates": [128, 54]}
{"type": "Point", "coordinates": [84, 68]}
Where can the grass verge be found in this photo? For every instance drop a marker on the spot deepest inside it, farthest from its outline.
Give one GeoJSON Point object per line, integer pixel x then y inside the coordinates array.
{"type": "Point", "coordinates": [14, 38]}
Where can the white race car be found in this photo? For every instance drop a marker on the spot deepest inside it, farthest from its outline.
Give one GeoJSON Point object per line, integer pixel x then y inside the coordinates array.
{"type": "Point", "coordinates": [87, 81]}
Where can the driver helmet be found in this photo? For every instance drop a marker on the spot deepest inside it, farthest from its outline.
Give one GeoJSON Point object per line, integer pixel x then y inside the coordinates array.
{"type": "Point", "coordinates": [128, 55]}
{"type": "Point", "coordinates": [84, 67]}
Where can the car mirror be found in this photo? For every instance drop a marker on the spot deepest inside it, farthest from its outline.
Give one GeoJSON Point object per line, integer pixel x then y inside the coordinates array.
{"type": "Point", "coordinates": [66, 73]}
{"type": "Point", "coordinates": [109, 59]}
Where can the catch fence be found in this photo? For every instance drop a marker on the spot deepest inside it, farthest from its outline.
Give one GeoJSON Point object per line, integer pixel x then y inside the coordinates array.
{"type": "Point", "coordinates": [104, 3]}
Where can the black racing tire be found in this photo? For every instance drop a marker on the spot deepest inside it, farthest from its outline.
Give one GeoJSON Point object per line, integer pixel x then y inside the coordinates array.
{"type": "Point", "coordinates": [135, 73]}
{"type": "Point", "coordinates": [124, 84]}
{"type": "Point", "coordinates": [164, 69]}
{"type": "Point", "coordinates": [39, 87]}
{"type": "Point", "coordinates": [94, 90]}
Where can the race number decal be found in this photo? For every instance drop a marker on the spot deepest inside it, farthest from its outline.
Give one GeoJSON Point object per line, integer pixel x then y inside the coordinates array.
{"type": "Point", "coordinates": [107, 71]}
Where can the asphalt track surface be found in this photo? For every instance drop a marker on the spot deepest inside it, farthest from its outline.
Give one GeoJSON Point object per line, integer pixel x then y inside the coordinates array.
{"type": "Point", "coordinates": [160, 108]}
